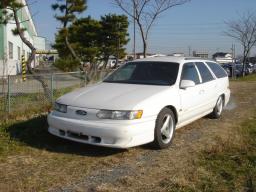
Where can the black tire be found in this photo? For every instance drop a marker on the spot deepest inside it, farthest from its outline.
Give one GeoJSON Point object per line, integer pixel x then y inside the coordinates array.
{"type": "Point", "coordinates": [161, 141]}
{"type": "Point", "coordinates": [217, 110]}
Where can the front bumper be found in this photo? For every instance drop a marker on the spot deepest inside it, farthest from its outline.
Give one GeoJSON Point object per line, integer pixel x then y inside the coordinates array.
{"type": "Point", "coordinates": [109, 133]}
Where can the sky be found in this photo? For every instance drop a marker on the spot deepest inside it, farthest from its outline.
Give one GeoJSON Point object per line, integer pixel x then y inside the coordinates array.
{"type": "Point", "coordinates": [198, 24]}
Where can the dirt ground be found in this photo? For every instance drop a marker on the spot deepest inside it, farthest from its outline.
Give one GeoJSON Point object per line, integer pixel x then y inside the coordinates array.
{"type": "Point", "coordinates": [70, 167]}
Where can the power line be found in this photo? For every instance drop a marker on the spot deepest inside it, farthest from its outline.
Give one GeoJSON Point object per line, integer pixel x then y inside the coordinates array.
{"type": "Point", "coordinates": [190, 24]}
{"type": "Point", "coordinates": [190, 33]}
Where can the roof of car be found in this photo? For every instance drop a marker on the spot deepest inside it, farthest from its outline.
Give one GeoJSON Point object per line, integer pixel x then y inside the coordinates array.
{"type": "Point", "coordinates": [172, 59]}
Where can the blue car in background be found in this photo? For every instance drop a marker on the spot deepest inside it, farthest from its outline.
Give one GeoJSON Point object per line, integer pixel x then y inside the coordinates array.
{"type": "Point", "coordinates": [238, 67]}
{"type": "Point", "coordinates": [228, 68]}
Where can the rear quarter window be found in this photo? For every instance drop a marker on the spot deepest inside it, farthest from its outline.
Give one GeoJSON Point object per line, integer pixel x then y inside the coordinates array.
{"type": "Point", "coordinates": [206, 75]}
{"type": "Point", "coordinates": [217, 70]}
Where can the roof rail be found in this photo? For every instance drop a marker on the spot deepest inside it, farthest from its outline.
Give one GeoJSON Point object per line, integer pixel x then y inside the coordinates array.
{"type": "Point", "coordinates": [194, 58]}
{"type": "Point", "coordinates": [198, 58]}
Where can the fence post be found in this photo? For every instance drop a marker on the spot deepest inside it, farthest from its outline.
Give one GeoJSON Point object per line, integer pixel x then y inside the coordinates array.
{"type": "Point", "coordinates": [52, 89]}
{"type": "Point", "coordinates": [86, 78]}
{"type": "Point", "coordinates": [83, 79]}
{"type": "Point", "coordinates": [9, 95]}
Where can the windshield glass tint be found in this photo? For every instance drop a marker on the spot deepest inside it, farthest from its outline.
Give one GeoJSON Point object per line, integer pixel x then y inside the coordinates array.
{"type": "Point", "coordinates": [149, 73]}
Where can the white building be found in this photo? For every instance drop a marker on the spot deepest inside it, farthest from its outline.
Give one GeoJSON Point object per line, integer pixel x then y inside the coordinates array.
{"type": "Point", "coordinates": [149, 55]}
{"type": "Point", "coordinates": [12, 47]}
{"type": "Point", "coordinates": [178, 54]}
{"type": "Point", "coordinates": [223, 58]}
{"type": "Point", "coordinates": [201, 54]}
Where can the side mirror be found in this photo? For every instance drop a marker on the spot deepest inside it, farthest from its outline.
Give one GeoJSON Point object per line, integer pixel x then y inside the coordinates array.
{"type": "Point", "coordinates": [187, 83]}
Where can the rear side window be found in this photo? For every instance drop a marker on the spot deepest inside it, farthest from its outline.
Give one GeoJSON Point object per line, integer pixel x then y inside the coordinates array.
{"type": "Point", "coordinates": [204, 72]}
{"type": "Point", "coordinates": [189, 72]}
{"type": "Point", "coordinates": [217, 70]}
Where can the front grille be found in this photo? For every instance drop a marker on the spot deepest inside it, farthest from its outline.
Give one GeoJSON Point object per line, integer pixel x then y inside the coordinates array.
{"type": "Point", "coordinates": [77, 136]}
{"type": "Point", "coordinates": [80, 136]}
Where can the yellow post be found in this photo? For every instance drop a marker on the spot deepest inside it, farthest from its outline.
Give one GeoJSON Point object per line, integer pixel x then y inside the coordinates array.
{"type": "Point", "coordinates": [24, 77]}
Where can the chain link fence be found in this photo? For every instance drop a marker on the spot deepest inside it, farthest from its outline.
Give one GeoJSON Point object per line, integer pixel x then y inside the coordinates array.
{"type": "Point", "coordinates": [38, 92]}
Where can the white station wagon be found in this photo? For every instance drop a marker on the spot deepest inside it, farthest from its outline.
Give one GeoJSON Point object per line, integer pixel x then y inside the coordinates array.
{"type": "Point", "coordinates": [143, 101]}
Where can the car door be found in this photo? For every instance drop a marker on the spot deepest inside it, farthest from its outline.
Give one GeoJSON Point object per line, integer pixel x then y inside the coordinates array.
{"type": "Point", "coordinates": [208, 87]}
{"type": "Point", "coordinates": [190, 98]}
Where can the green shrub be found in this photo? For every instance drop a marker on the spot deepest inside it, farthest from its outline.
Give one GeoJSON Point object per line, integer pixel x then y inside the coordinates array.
{"type": "Point", "coordinates": [67, 64]}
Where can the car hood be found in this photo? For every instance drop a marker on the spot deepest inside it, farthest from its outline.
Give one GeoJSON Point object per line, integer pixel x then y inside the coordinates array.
{"type": "Point", "coordinates": [113, 96]}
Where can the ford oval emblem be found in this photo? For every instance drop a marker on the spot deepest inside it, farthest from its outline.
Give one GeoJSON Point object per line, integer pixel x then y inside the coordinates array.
{"type": "Point", "coordinates": [81, 112]}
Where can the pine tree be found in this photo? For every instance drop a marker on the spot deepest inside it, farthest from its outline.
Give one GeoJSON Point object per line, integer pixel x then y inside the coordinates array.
{"type": "Point", "coordinates": [98, 40]}
{"type": "Point", "coordinates": [68, 12]}
{"type": "Point", "coordinates": [114, 36]}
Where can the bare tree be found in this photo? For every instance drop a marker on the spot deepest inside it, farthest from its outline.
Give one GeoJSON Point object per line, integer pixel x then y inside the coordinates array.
{"type": "Point", "coordinates": [244, 31]}
{"type": "Point", "coordinates": [145, 13]}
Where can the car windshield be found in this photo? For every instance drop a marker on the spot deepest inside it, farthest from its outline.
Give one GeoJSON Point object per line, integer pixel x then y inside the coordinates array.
{"type": "Point", "coordinates": [146, 72]}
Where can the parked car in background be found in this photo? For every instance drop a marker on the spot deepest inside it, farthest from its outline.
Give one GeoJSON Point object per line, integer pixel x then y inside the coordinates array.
{"type": "Point", "coordinates": [144, 101]}
{"type": "Point", "coordinates": [254, 68]}
{"type": "Point", "coordinates": [250, 68]}
{"type": "Point", "coordinates": [238, 69]}
{"type": "Point", "coordinates": [228, 68]}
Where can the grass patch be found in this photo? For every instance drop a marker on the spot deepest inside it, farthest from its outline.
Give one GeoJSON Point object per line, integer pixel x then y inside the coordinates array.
{"type": "Point", "coordinates": [251, 77]}
{"type": "Point", "coordinates": [31, 159]}
{"type": "Point", "coordinates": [34, 133]}
{"type": "Point", "coordinates": [230, 165]}
{"type": "Point", "coordinates": [14, 135]}
{"type": "Point", "coordinates": [27, 104]}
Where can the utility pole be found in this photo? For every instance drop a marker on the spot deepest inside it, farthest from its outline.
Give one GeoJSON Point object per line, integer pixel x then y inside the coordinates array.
{"type": "Point", "coordinates": [233, 49]}
{"type": "Point", "coordinates": [118, 44]}
{"type": "Point", "coordinates": [189, 51]}
{"type": "Point", "coordinates": [234, 56]}
{"type": "Point", "coordinates": [134, 31]}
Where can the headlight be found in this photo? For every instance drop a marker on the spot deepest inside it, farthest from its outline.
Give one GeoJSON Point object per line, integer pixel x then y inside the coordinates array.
{"type": "Point", "coordinates": [60, 107]}
{"type": "Point", "coordinates": [119, 115]}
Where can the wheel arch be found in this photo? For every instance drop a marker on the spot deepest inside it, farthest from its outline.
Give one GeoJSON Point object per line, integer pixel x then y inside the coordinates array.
{"type": "Point", "coordinates": [174, 112]}
{"type": "Point", "coordinates": [223, 97]}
